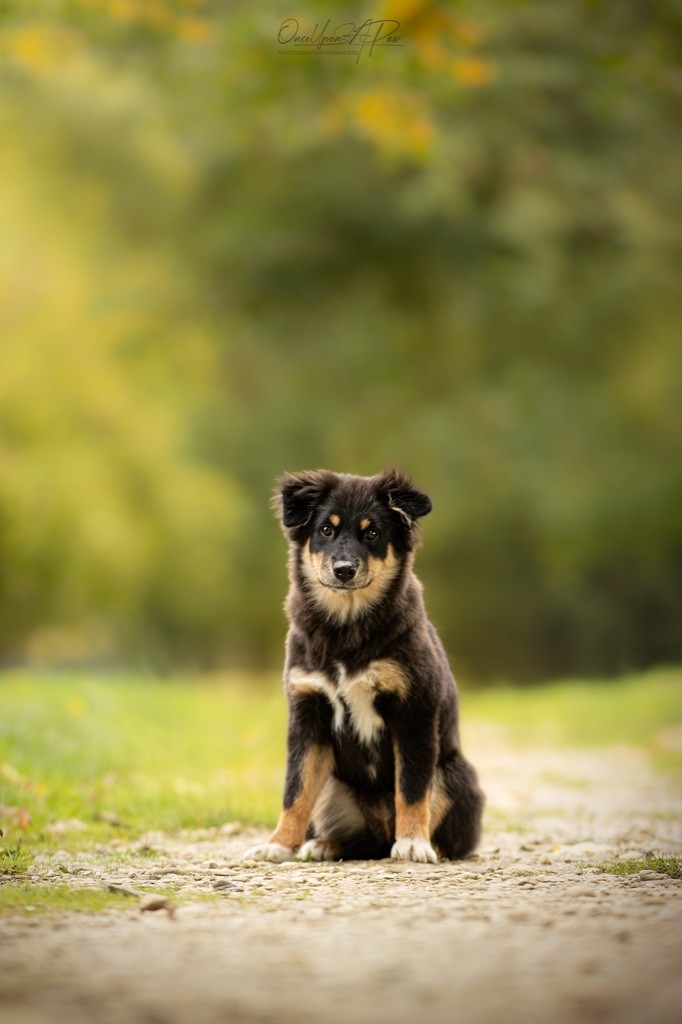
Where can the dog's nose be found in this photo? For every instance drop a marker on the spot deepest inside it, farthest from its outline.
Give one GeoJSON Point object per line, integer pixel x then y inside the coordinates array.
{"type": "Point", "coordinates": [344, 571]}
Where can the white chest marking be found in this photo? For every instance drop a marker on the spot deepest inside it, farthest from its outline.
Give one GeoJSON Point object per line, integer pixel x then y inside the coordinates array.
{"type": "Point", "coordinates": [354, 693]}
{"type": "Point", "coordinates": [317, 682]}
{"type": "Point", "coordinates": [358, 693]}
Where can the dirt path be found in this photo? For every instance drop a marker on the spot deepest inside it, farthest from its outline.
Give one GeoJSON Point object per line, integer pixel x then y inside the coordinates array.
{"type": "Point", "coordinates": [526, 931]}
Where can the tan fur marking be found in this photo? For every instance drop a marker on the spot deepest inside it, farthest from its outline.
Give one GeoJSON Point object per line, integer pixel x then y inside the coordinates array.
{"type": "Point", "coordinates": [314, 558]}
{"type": "Point", "coordinates": [388, 677]}
{"type": "Point", "coordinates": [441, 802]}
{"type": "Point", "coordinates": [365, 523]}
{"type": "Point", "coordinates": [411, 820]}
{"type": "Point", "coordinates": [293, 821]}
{"type": "Point", "coordinates": [384, 566]}
{"type": "Point", "coordinates": [334, 519]}
{"type": "Point", "coordinates": [345, 604]}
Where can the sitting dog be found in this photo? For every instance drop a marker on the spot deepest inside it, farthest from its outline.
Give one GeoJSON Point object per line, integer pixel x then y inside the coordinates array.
{"type": "Point", "coordinates": [374, 764]}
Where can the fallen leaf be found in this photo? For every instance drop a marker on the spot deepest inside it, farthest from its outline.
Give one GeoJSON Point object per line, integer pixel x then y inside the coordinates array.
{"type": "Point", "coordinates": [108, 817]}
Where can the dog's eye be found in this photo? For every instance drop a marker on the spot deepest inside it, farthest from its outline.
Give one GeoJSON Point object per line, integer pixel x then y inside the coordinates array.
{"type": "Point", "coordinates": [326, 530]}
{"type": "Point", "coordinates": [371, 534]}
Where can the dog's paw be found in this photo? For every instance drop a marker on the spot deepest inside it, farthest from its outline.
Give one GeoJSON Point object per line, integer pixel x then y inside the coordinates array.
{"type": "Point", "coordinates": [274, 852]}
{"type": "Point", "coordinates": [419, 850]}
{"type": "Point", "coordinates": [317, 849]}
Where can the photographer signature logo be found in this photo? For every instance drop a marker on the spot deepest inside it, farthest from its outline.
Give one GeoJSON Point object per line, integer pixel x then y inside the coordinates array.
{"type": "Point", "coordinates": [346, 40]}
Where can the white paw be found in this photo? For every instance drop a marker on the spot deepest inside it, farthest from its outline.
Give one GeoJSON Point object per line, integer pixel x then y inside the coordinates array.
{"type": "Point", "coordinates": [269, 851]}
{"type": "Point", "coordinates": [419, 850]}
{"type": "Point", "coordinates": [316, 849]}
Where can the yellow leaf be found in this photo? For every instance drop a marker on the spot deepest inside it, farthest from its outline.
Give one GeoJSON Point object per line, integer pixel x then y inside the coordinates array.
{"type": "Point", "coordinates": [34, 48]}
{"type": "Point", "coordinates": [404, 11]}
{"type": "Point", "coordinates": [76, 707]}
{"type": "Point", "coordinates": [430, 51]}
{"type": "Point", "coordinates": [193, 30]}
{"type": "Point", "coordinates": [466, 33]}
{"type": "Point", "coordinates": [473, 72]}
{"type": "Point", "coordinates": [395, 120]}
{"type": "Point", "coordinates": [122, 10]}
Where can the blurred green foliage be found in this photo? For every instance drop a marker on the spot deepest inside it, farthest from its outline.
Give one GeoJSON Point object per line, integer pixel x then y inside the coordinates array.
{"type": "Point", "coordinates": [220, 262]}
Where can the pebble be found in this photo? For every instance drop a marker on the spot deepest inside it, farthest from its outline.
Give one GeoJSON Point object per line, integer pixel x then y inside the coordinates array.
{"type": "Point", "coordinates": [519, 915]}
{"type": "Point", "coordinates": [581, 890]}
{"type": "Point", "coordinates": [156, 902]}
{"type": "Point", "coordinates": [223, 885]}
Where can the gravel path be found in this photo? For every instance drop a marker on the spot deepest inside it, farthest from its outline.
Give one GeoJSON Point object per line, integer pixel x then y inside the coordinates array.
{"type": "Point", "coordinates": [528, 930]}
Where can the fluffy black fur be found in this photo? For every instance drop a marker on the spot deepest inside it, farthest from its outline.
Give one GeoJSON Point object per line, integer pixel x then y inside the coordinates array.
{"type": "Point", "coordinates": [341, 627]}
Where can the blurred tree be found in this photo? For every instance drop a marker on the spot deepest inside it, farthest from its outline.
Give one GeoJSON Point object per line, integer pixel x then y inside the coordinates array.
{"type": "Point", "coordinates": [460, 256]}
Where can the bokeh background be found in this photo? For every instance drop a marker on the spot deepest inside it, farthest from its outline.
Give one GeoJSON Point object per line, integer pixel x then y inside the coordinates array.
{"type": "Point", "coordinates": [220, 262]}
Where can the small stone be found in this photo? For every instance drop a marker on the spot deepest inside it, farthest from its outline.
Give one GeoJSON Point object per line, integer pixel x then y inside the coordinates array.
{"type": "Point", "coordinates": [124, 890]}
{"type": "Point", "coordinates": [519, 915]}
{"type": "Point", "coordinates": [224, 885]}
{"type": "Point", "coordinates": [155, 901]}
{"type": "Point", "coordinates": [582, 890]}
{"type": "Point", "coordinates": [231, 828]}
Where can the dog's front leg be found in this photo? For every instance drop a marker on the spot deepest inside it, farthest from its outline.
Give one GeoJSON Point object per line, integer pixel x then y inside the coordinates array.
{"type": "Point", "coordinates": [309, 764]}
{"type": "Point", "coordinates": [414, 748]}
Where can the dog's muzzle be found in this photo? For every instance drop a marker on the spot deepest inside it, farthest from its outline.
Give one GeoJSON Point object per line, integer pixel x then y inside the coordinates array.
{"type": "Point", "coordinates": [344, 571]}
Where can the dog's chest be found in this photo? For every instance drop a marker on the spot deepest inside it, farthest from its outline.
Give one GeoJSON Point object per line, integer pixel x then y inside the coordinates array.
{"type": "Point", "coordinates": [353, 696]}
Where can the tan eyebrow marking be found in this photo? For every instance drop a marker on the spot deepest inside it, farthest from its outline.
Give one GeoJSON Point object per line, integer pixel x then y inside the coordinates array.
{"type": "Point", "coordinates": [334, 520]}
{"type": "Point", "coordinates": [365, 523]}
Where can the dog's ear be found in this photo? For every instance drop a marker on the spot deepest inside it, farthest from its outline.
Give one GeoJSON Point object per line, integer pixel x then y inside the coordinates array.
{"type": "Point", "coordinates": [298, 495]}
{"type": "Point", "coordinates": [397, 490]}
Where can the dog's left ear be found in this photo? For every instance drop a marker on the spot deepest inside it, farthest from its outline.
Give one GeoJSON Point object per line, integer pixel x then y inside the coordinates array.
{"type": "Point", "coordinates": [401, 496]}
{"type": "Point", "coordinates": [299, 494]}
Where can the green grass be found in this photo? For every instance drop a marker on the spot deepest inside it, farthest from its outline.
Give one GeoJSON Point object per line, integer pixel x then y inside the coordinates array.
{"type": "Point", "coordinates": [126, 754]}
{"type": "Point", "coordinates": [671, 866]}
{"type": "Point", "coordinates": [632, 711]}
{"type": "Point", "coordinates": [14, 860]}
{"type": "Point", "coordinates": [22, 897]}
{"type": "Point", "coordinates": [28, 900]}
{"type": "Point", "coordinates": [140, 753]}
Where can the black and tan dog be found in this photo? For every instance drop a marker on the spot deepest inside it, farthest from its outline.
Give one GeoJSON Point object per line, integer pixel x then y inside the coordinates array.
{"type": "Point", "coordinates": [374, 761]}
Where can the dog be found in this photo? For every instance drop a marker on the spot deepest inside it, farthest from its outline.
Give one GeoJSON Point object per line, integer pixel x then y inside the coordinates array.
{"type": "Point", "coordinates": [374, 763]}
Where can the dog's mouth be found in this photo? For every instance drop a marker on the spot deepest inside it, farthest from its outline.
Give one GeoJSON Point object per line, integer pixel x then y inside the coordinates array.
{"type": "Point", "coordinates": [341, 587]}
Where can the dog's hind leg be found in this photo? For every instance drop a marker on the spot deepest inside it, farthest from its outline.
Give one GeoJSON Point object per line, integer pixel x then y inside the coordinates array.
{"type": "Point", "coordinates": [456, 808]}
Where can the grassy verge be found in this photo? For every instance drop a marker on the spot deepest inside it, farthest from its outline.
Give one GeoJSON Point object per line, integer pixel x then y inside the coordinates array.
{"type": "Point", "coordinates": [644, 711]}
{"type": "Point", "coordinates": [671, 866]}
{"type": "Point", "coordinates": [86, 760]}
{"type": "Point", "coordinates": [28, 899]}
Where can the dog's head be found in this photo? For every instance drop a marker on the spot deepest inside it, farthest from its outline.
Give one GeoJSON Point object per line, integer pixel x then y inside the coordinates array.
{"type": "Point", "coordinates": [352, 534]}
